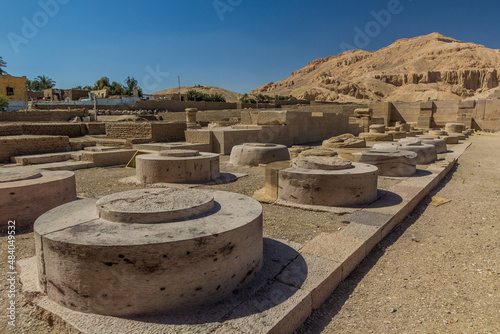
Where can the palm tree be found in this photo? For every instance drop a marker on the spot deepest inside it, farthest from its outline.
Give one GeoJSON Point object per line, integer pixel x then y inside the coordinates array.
{"type": "Point", "coordinates": [45, 82]}
{"type": "Point", "coordinates": [2, 64]}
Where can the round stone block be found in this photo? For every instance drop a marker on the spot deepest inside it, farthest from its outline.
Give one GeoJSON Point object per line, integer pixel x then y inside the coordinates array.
{"type": "Point", "coordinates": [326, 187]}
{"type": "Point", "coordinates": [426, 154]}
{"type": "Point", "coordinates": [440, 144]}
{"type": "Point", "coordinates": [344, 141]}
{"type": "Point", "coordinates": [318, 152]}
{"type": "Point", "coordinates": [323, 163]}
{"type": "Point", "coordinates": [163, 250]}
{"type": "Point", "coordinates": [253, 154]}
{"type": "Point", "coordinates": [24, 196]}
{"type": "Point", "coordinates": [369, 136]}
{"type": "Point", "coordinates": [390, 163]}
{"type": "Point", "coordinates": [454, 127]}
{"type": "Point", "coordinates": [177, 166]}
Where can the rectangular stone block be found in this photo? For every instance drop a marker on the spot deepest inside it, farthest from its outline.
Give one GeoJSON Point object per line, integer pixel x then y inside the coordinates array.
{"type": "Point", "coordinates": [277, 308]}
{"type": "Point", "coordinates": [338, 248]}
{"type": "Point", "coordinates": [272, 171]}
{"type": "Point", "coordinates": [317, 275]}
{"type": "Point", "coordinates": [108, 158]}
{"type": "Point", "coordinates": [470, 104]}
{"type": "Point", "coordinates": [198, 136]}
{"type": "Point", "coordinates": [429, 105]}
{"type": "Point", "coordinates": [272, 118]}
{"type": "Point", "coordinates": [370, 234]}
{"type": "Point", "coordinates": [424, 122]}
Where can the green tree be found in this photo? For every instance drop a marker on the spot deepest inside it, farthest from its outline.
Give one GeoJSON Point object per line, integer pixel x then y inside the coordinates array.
{"type": "Point", "coordinates": [77, 87]}
{"type": "Point", "coordinates": [40, 83]}
{"type": "Point", "coordinates": [116, 88]}
{"type": "Point", "coordinates": [45, 82]}
{"type": "Point", "coordinates": [102, 83]}
{"type": "Point", "coordinates": [130, 85]}
{"type": "Point", "coordinates": [4, 101]}
{"type": "Point", "coordinates": [87, 88]}
{"type": "Point", "coordinates": [2, 64]}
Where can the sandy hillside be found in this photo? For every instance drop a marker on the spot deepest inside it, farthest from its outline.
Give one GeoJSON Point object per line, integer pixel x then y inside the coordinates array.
{"type": "Point", "coordinates": [230, 96]}
{"type": "Point", "coordinates": [431, 66]}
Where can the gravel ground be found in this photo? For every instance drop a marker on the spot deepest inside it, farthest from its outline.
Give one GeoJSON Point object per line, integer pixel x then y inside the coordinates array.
{"type": "Point", "coordinates": [444, 279]}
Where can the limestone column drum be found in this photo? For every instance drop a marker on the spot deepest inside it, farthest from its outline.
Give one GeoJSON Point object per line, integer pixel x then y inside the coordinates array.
{"type": "Point", "coordinates": [390, 163]}
{"type": "Point", "coordinates": [24, 196]}
{"type": "Point", "coordinates": [426, 154]}
{"type": "Point", "coordinates": [253, 154]}
{"type": "Point", "coordinates": [327, 182]}
{"type": "Point", "coordinates": [177, 166]}
{"type": "Point", "coordinates": [148, 251]}
{"type": "Point", "coordinates": [440, 144]}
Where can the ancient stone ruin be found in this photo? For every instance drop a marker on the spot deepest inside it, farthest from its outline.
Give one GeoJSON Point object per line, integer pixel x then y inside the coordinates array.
{"type": "Point", "coordinates": [377, 133]}
{"type": "Point", "coordinates": [25, 195]}
{"type": "Point", "coordinates": [253, 154]}
{"type": "Point", "coordinates": [426, 154]}
{"type": "Point", "coordinates": [390, 163]}
{"type": "Point", "coordinates": [148, 251]}
{"type": "Point", "coordinates": [177, 166]}
{"type": "Point", "coordinates": [327, 181]}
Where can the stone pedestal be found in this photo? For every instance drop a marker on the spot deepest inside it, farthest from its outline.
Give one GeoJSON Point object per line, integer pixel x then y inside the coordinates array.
{"type": "Point", "coordinates": [191, 122]}
{"type": "Point", "coordinates": [454, 127]}
{"type": "Point", "coordinates": [24, 196]}
{"type": "Point", "coordinates": [328, 182]}
{"type": "Point", "coordinates": [440, 144]}
{"type": "Point", "coordinates": [148, 251]}
{"type": "Point", "coordinates": [426, 154]}
{"type": "Point", "coordinates": [254, 154]}
{"type": "Point", "coordinates": [177, 166]}
{"type": "Point", "coordinates": [390, 163]}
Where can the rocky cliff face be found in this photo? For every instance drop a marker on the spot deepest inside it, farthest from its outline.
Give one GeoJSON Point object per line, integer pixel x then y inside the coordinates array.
{"type": "Point", "coordinates": [438, 66]}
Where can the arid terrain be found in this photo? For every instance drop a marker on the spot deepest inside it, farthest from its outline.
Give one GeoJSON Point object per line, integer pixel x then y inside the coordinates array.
{"type": "Point", "coordinates": [411, 69]}
{"type": "Point", "coordinates": [228, 95]}
{"type": "Point", "coordinates": [438, 272]}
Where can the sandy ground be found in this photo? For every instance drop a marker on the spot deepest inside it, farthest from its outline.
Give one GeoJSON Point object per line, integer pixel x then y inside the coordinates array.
{"type": "Point", "coordinates": [437, 272]}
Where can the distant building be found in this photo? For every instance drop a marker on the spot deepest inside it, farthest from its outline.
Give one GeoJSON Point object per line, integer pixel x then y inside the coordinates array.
{"type": "Point", "coordinates": [171, 97]}
{"type": "Point", "coordinates": [57, 95]}
{"type": "Point", "coordinates": [15, 89]}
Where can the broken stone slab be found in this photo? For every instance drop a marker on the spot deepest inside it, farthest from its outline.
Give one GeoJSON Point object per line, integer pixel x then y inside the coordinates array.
{"type": "Point", "coordinates": [344, 141]}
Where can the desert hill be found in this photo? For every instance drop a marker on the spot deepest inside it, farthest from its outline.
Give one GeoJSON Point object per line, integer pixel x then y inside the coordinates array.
{"type": "Point", "coordinates": [431, 66]}
{"type": "Point", "coordinates": [230, 96]}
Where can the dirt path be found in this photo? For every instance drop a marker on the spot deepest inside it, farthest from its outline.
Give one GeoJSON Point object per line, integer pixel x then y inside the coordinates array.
{"type": "Point", "coordinates": [439, 270]}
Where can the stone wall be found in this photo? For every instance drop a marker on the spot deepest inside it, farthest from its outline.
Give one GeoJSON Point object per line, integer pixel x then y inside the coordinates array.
{"type": "Point", "coordinates": [41, 116]}
{"type": "Point", "coordinates": [485, 114]}
{"type": "Point", "coordinates": [23, 145]}
{"type": "Point", "coordinates": [156, 131]}
{"type": "Point", "coordinates": [53, 129]}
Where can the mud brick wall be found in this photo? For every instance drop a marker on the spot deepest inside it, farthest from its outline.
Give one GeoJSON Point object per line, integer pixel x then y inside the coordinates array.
{"type": "Point", "coordinates": [11, 146]}
{"type": "Point", "coordinates": [156, 131]}
{"type": "Point", "coordinates": [53, 129]}
{"type": "Point", "coordinates": [41, 115]}
{"type": "Point", "coordinates": [10, 130]}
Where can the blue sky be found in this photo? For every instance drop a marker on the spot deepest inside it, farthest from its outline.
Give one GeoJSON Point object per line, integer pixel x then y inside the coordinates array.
{"type": "Point", "coordinates": [234, 44]}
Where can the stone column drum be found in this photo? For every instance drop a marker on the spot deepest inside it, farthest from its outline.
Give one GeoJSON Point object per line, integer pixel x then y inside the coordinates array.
{"type": "Point", "coordinates": [390, 163]}
{"type": "Point", "coordinates": [253, 154]}
{"type": "Point", "coordinates": [148, 251]}
{"type": "Point", "coordinates": [191, 122]}
{"type": "Point", "coordinates": [426, 154]}
{"type": "Point", "coordinates": [440, 144]}
{"type": "Point", "coordinates": [177, 166]}
{"type": "Point", "coordinates": [327, 182]}
{"type": "Point", "coordinates": [24, 196]}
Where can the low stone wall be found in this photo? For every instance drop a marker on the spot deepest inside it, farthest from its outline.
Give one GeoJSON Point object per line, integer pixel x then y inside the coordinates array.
{"type": "Point", "coordinates": [10, 130]}
{"type": "Point", "coordinates": [156, 131]}
{"type": "Point", "coordinates": [23, 145]}
{"type": "Point", "coordinates": [41, 115]}
{"type": "Point", "coordinates": [52, 129]}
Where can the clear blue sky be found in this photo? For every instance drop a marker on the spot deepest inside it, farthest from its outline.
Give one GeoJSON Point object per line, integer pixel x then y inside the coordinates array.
{"type": "Point", "coordinates": [234, 44]}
